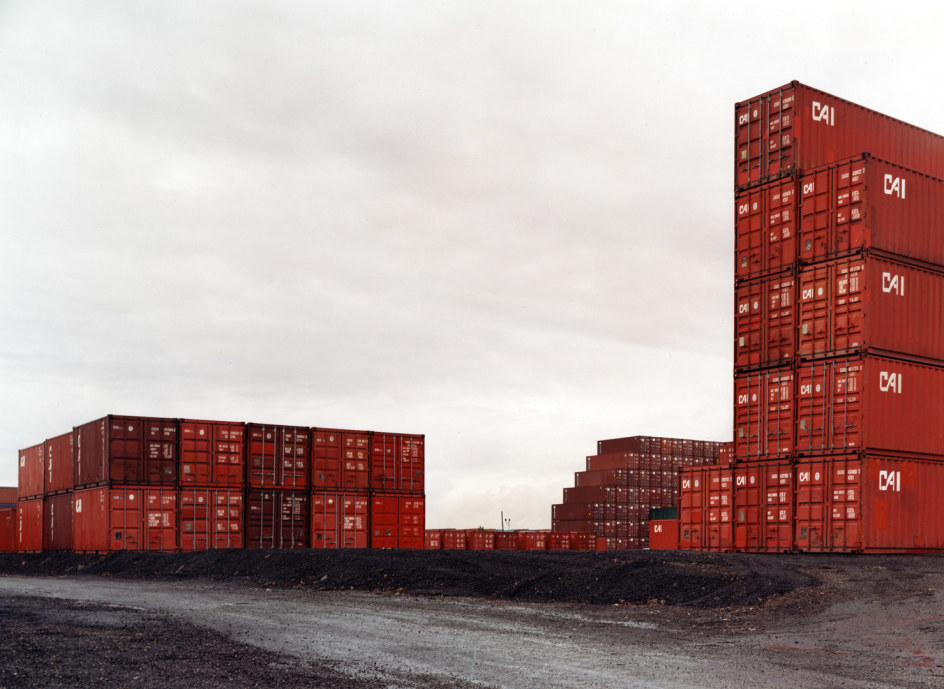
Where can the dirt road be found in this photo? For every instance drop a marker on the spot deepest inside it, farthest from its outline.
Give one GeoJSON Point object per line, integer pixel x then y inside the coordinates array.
{"type": "Point", "coordinates": [861, 623]}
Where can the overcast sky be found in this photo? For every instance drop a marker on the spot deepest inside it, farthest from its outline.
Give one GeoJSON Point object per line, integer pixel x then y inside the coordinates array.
{"type": "Point", "coordinates": [507, 225]}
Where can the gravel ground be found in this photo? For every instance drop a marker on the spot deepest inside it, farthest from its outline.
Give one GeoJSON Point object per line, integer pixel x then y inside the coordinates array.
{"type": "Point", "coordinates": [450, 619]}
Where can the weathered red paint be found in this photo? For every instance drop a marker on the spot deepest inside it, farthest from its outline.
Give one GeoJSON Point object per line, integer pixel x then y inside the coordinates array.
{"type": "Point", "coordinates": [139, 518]}
{"type": "Point", "coordinates": [340, 519]}
{"type": "Point", "coordinates": [8, 529]}
{"type": "Point", "coordinates": [277, 518]}
{"type": "Point", "coordinates": [29, 525]}
{"type": "Point", "coordinates": [398, 520]}
{"type": "Point", "coordinates": [796, 127]}
{"type": "Point", "coordinates": [126, 450]}
{"type": "Point", "coordinates": [764, 413]}
{"type": "Point", "coordinates": [212, 454]}
{"type": "Point", "coordinates": [211, 518]}
{"type": "Point", "coordinates": [31, 477]}
{"type": "Point", "coordinates": [277, 457]}
{"type": "Point", "coordinates": [765, 229]}
{"type": "Point", "coordinates": [59, 464]}
{"type": "Point", "coordinates": [57, 522]}
{"type": "Point", "coordinates": [765, 322]}
{"type": "Point", "coordinates": [664, 534]}
{"type": "Point", "coordinates": [763, 506]}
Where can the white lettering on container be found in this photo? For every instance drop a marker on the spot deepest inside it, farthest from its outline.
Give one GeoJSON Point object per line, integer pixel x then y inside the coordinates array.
{"type": "Point", "coordinates": [893, 283]}
{"type": "Point", "coordinates": [889, 480]}
{"type": "Point", "coordinates": [889, 382]}
{"type": "Point", "coordinates": [895, 186]}
{"type": "Point", "coordinates": [824, 113]}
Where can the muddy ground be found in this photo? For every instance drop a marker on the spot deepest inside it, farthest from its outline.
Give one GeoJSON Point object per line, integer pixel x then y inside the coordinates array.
{"type": "Point", "coordinates": [751, 606]}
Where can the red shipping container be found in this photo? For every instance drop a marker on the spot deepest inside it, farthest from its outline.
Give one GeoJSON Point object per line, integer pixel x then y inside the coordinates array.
{"type": "Point", "coordinates": [595, 494]}
{"type": "Point", "coordinates": [433, 539]}
{"type": "Point", "coordinates": [796, 127]}
{"type": "Point", "coordinates": [604, 477]}
{"type": "Point", "coordinates": [869, 504]}
{"type": "Point", "coordinates": [398, 520]}
{"type": "Point", "coordinates": [340, 519]}
{"type": "Point", "coordinates": [641, 444]}
{"type": "Point", "coordinates": [278, 457]}
{"type": "Point", "coordinates": [583, 540]}
{"type": "Point", "coordinates": [560, 540]}
{"type": "Point", "coordinates": [533, 540]}
{"type": "Point", "coordinates": [871, 303]}
{"type": "Point", "coordinates": [57, 522]}
{"type": "Point", "coordinates": [31, 476]}
{"type": "Point", "coordinates": [719, 500]}
{"type": "Point", "coordinates": [763, 507]}
{"type": "Point", "coordinates": [355, 460]}
{"type": "Point", "coordinates": [576, 510]}
{"type": "Point", "coordinates": [869, 403]}
{"type": "Point", "coordinates": [59, 464]}
{"type": "Point", "coordinates": [341, 460]}
{"type": "Point", "coordinates": [212, 454]}
{"type": "Point", "coordinates": [8, 496]}
{"type": "Point", "coordinates": [692, 481]}
{"type": "Point", "coordinates": [125, 450]}
{"type": "Point", "coordinates": [454, 539]}
{"type": "Point", "coordinates": [211, 518]}
{"type": "Point", "coordinates": [326, 459]}
{"type": "Point", "coordinates": [8, 529]}
{"type": "Point", "coordinates": [29, 526]}
{"type": "Point", "coordinates": [480, 539]}
{"type": "Point", "coordinates": [506, 540]}
{"type": "Point", "coordinates": [870, 204]}
{"type": "Point", "coordinates": [277, 518]}
{"type": "Point", "coordinates": [765, 229]}
{"type": "Point", "coordinates": [765, 322]}
{"type": "Point", "coordinates": [595, 526]}
{"type": "Point", "coordinates": [140, 518]}
{"type": "Point", "coordinates": [613, 460]}
{"type": "Point", "coordinates": [763, 413]}
{"type": "Point", "coordinates": [664, 534]}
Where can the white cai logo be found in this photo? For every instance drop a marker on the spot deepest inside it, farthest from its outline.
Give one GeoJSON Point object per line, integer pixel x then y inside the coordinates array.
{"type": "Point", "coordinates": [889, 382]}
{"type": "Point", "coordinates": [893, 283]}
{"type": "Point", "coordinates": [740, 481]}
{"type": "Point", "coordinates": [78, 506]}
{"type": "Point", "coordinates": [824, 113]}
{"type": "Point", "coordinates": [744, 119]}
{"type": "Point", "coordinates": [809, 188]}
{"type": "Point", "coordinates": [686, 484]}
{"type": "Point", "coordinates": [807, 294]}
{"type": "Point", "coordinates": [744, 208]}
{"type": "Point", "coordinates": [804, 477]}
{"type": "Point", "coordinates": [657, 528]}
{"type": "Point", "coordinates": [895, 186]}
{"type": "Point", "coordinates": [889, 481]}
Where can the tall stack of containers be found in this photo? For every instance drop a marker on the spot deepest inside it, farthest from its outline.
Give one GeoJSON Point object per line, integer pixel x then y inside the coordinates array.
{"type": "Point", "coordinates": [398, 497]}
{"type": "Point", "coordinates": [125, 484]}
{"type": "Point", "coordinates": [30, 489]}
{"type": "Point", "coordinates": [211, 484]}
{"type": "Point", "coordinates": [340, 488]}
{"type": "Point", "coordinates": [628, 477]}
{"type": "Point", "coordinates": [277, 486]}
{"type": "Point", "coordinates": [58, 505]}
{"type": "Point", "coordinates": [839, 327]}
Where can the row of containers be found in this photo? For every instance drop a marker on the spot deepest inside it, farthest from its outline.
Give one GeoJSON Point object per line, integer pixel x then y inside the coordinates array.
{"type": "Point", "coordinates": [142, 451]}
{"type": "Point", "coordinates": [168, 519]}
{"type": "Point", "coordinates": [140, 483]}
{"type": "Point", "coordinates": [839, 335]}
{"type": "Point", "coordinates": [494, 539]}
{"type": "Point", "coordinates": [613, 496]}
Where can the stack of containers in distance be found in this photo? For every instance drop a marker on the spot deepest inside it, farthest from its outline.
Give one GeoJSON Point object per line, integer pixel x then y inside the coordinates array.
{"type": "Point", "coordinates": [8, 499]}
{"type": "Point", "coordinates": [30, 487]}
{"type": "Point", "coordinates": [623, 482]}
{"type": "Point", "coordinates": [397, 482]}
{"type": "Point", "coordinates": [340, 489]}
{"type": "Point", "coordinates": [212, 485]}
{"type": "Point", "coordinates": [839, 330]}
{"type": "Point", "coordinates": [277, 486]}
{"type": "Point", "coordinates": [125, 484]}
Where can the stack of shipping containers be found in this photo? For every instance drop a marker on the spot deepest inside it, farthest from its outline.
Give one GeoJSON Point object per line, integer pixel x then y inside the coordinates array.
{"type": "Point", "coordinates": [626, 479]}
{"type": "Point", "coordinates": [839, 333]}
{"type": "Point", "coordinates": [153, 484]}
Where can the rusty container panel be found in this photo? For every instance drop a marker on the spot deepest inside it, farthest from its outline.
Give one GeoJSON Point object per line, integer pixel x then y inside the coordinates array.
{"type": "Point", "coordinates": [869, 303]}
{"type": "Point", "coordinates": [125, 450]}
{"type": "Point", "coordinates": [212, 454]}
{"type": "Point", "coordinates": [57, 522]}
{"type": "Point", "coordinates": [278, 457]}
{"type": "Point", "coordinates": [763, 414]}
{"type": "Point", "coordinates": [765, 229]}
{"type": "Point", "coordinates": [211, 518]}
{"type": "Point", "coordinates": [29, 526]}
{"type": "Point", "coordinates": [432, 539]}
{"type": "Point", "coordinates": [870, 204]}
{"type": "Point", "coordinates": [326, 459]}
{"type": "Point", "coordinates": [480, 539]}
{"type": "Point", "coordinates": [664, 534]}
{"type": "Point", "coordinates": [340, 519]}
{"type": "Point", "coordinates": [277, 519]}
{"type": "Point", "coordinates": [59, 464]}
{"type": "Point", "coordinates": [796, 127]}
{"type": "Point", "coordinates": [765, 322]}
{"type": "Point", "coordinates": [31, 476]}
{"type": "Point", "coordinates": [869, 403]}
{"type": "Point", "coordinates": [871, 504]}
{"type": "Point", "coordinates": [355, 460]}
{"type": "Point", "coordinates": [8, 529]}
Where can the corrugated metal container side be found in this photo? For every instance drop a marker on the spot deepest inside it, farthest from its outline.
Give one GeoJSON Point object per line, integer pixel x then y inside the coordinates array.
{"type": "Point", "coordinates": [278, 456]}
{"type": "Point", "coordinates": [506, 540]}
{"type": "Point", "coordinates": [326, 460]}
{"type": "Point", "coordinates": [664, 534]}
{"type": "Point", "coordinates": [138, 518]}
{"type": "Point", "coordinates": [31, 477]}
{"type": "Point", "coordinates": [763, 507]}
{"type": "Point", "coordinates": [432, 539]}
{"type": "Point", "coordinates": [796, 127]}
{"type": "Point", "coordinates": [211, 518]}
{"type": "Point", "coordinates": [277, 519]}
{"type": "Point", "coordinates": [480, 539]}
{"type": "Point", "coordinates": [455, 539]}
{"type": "Point", "coordinates": [692, 481]}
{"type": "Point", "coordinates": [29, 526]}
{"type": "Point", "coordinates": [397, 462]}
{"type": "Point", "coordinates": [719, 509]}
{"type": "Point", "coordinates": [642, 444]}
{"type": "Point", "coordinates": [7, 529]}
{"type": "Point", "coordinates": [576, 510]}
{"type": "Point", "coordinates": [870, 504]}
{"type": "Point", "coordinates": [764, 414]}
{"type": "Point", "coordinates": [533, 540]}
{"type": "Point", "coordinates": [594, 526]}
{"type": "Point", "coordinates": [341, 460]}
{"type": "Point", "coordinates": [869, 403]}
{"type": "Point", "coordinates": [212, 454]}
{"type": "Point", "coordinates": [355, 460]}
{"type": "Point", "coordinates": [126, 450]}
{"type": "Point", "coordinates": [583, 540]}
{"type": "Point", "coordinates": [596, 494]}
{"type": "Point", "coordinates": [559, 540]}
{"type": "Point", "coordinates": [340, 519]}
{"type": "Point", "coordinates": [765, 322]}
{"type": "Point", "coordinates": [867, 203]}
{"type": "Point", "coordinates": [870, 303]}
{"type": "Point", "coordinates": [57, 522]}
{"type": "Point", "coordinates": [765, 229]}
{"type": "Point", "coordinates": [9, 495]}
{"type": "Point", "coordinates": [59, 464]}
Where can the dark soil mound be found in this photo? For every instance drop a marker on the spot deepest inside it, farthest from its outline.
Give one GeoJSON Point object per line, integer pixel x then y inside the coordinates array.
{"type": "Point", "coordinates": [703, 580]}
